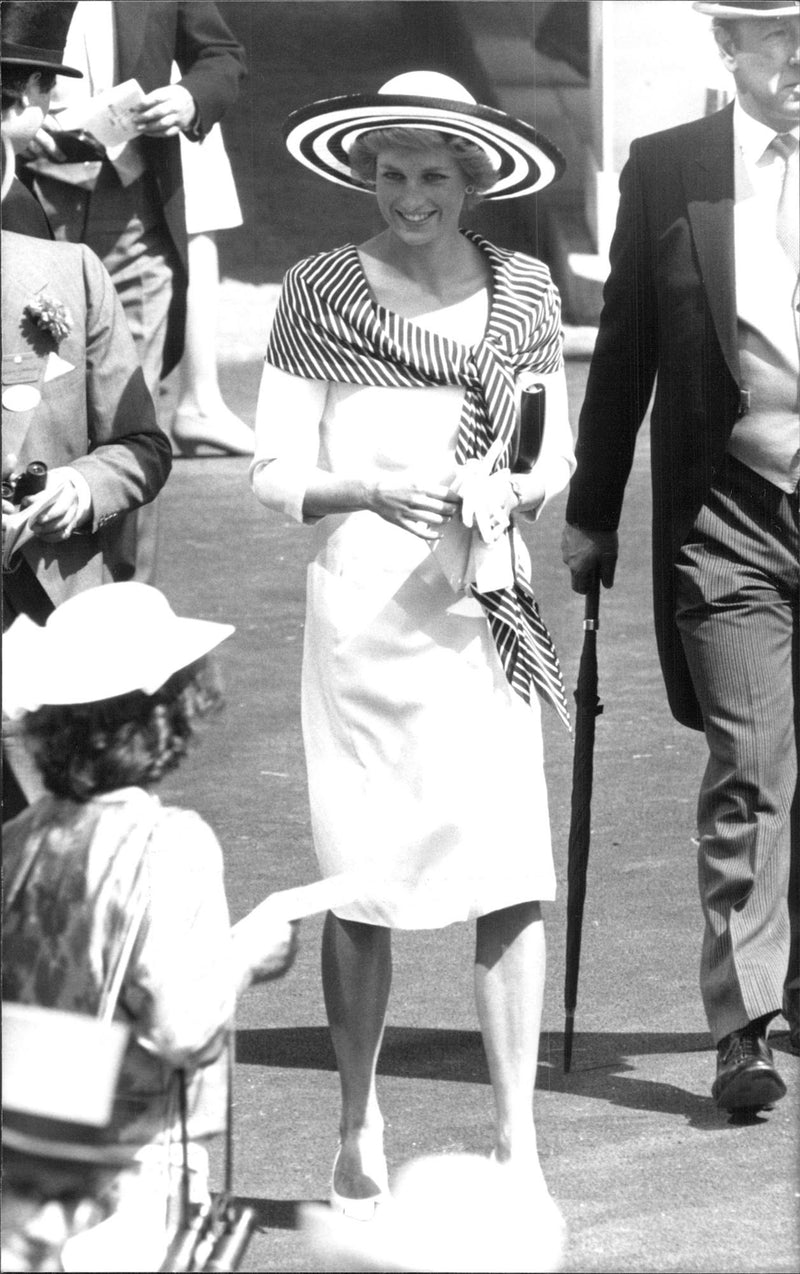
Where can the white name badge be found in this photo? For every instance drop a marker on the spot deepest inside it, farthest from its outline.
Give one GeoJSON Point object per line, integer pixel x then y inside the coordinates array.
{"type": "Point", "coordinates": [21, 397]}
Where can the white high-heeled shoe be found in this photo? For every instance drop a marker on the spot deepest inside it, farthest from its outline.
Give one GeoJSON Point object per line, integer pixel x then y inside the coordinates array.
{"type": "Point", "coordinates": [225, 434]}
{"type": "Point", "coordinates": [363, 1209]}
{"type": "Point", "coordinates": [527, 1181]}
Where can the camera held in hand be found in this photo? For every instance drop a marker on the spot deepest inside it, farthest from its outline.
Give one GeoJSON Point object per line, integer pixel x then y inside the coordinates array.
{"type": "Point", "coordinates": [30, 481]}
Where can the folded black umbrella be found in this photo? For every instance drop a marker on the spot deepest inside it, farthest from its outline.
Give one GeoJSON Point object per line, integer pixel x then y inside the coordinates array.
{"type": "Point", "coordinates": [588, 708]}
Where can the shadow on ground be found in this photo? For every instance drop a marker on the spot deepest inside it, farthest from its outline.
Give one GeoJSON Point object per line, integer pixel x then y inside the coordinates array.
{"type": "Point", "coordinates": [274, 1214]}
{"type": "Point", "coordinates": [429, 1053]}
{"type": "Point", "coordinates": [605, 1066]}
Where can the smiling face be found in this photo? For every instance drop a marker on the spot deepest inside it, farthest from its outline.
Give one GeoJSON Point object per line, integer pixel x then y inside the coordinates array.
{"type": "Point", "coordinates": [420, 193]}
{"type": "Point", "coordinates": [764, 59]}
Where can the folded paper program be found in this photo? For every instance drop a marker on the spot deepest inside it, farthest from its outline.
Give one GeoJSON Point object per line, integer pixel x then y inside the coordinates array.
{"type": "Point", "coordinates": [110, 117]}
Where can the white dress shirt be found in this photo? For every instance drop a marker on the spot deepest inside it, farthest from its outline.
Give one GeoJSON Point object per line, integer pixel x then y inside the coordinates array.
{"type": "Point", "coordinates": [91, 47]}
{"type": "Point", "coordinates": [767, 438]}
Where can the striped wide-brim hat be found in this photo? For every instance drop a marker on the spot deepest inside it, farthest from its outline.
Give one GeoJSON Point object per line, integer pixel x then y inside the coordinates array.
{"type": "Point", "coordinates": [321, 134]}
{"type": "Point", "coordinates": [749, 9]}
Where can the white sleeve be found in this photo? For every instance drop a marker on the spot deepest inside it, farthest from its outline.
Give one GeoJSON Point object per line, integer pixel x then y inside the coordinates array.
{"type": "Point", "coordinates": [182, 982]}
{"type": "Point", "coordinates": [288, 416]}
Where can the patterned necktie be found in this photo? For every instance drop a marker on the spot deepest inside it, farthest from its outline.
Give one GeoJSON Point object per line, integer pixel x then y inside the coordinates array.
{"type": "Point", "coordinates": [787, 222]}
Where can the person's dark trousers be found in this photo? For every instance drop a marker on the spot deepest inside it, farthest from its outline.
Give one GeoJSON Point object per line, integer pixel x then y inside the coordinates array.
{"type": "Point", "coordinates": [738, 577]}
{"type": "Point", "coordinates": [791, 1000]}
{"type": "Point", "coordinates": [125, 226]}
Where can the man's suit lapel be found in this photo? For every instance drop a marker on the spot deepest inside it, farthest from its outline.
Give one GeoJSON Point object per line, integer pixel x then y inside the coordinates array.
{"type": "Point", "coordinates": [709, 185]}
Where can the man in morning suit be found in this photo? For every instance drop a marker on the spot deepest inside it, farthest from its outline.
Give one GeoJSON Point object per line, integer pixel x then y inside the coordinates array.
{"type": "Point", "coordinates": [702, 299]}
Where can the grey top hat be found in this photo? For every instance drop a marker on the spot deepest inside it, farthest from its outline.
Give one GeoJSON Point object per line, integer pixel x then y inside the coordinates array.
{"type": "Point", "coordinates": [34, 35]}
{"type": "Point", "coordinates": [749, 8]}
{"type": "Point", "coordinates": [60, 1074]}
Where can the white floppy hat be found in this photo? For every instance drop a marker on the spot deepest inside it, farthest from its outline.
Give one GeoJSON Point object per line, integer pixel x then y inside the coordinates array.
{"type": "Point", "coordinates": [749, 9]}
{"type": "Point", "coordinates": [320, 135]}
{"type": "Point", "coordinates": [104, 642]}
{"type": "Point", "coordinates": [60, 1073]}
{"type": "Point", "coordinates": [451, 1213]}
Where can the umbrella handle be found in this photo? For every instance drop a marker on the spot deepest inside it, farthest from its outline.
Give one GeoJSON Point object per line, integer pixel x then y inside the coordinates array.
{"type": "Point", "coordinates": [591, 612]}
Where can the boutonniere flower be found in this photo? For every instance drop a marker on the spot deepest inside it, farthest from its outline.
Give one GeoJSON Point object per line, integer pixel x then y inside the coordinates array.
{"type": "Point", "coordinates": [49, 315]}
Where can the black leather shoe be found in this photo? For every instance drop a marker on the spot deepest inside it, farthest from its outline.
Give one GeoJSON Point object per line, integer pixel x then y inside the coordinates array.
{"type": "Point", "coordinates": [746, 1076]}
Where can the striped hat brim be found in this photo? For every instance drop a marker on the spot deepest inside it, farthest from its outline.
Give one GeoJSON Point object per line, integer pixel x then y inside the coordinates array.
{"type": "Point", "coordinates": [320, 135]}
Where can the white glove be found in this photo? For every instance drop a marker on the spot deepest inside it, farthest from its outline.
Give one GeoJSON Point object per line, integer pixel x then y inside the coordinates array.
{"type": "Point", "coordinates": [486, 499]}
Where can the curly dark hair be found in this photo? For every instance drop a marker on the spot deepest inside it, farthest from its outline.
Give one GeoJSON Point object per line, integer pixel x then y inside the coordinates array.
{"type": "Point", "coordinates": [131, 740]}
{"type": "Point", "coordinates": [471, 158]}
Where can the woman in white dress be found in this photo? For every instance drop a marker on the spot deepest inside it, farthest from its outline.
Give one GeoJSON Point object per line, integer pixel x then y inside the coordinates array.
{"type": "Point", "coordinates": [385, 421]}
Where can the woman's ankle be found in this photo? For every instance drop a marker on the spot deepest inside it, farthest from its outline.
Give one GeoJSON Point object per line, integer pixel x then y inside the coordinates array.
{"type": "Point", "coordinates": [516, 1146]}
{"type": "Point", "coordinates": [364, 1130]}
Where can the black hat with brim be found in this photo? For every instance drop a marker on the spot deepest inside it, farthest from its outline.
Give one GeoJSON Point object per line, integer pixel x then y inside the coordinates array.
{"type": "Point", "coordinates": [34, 35]}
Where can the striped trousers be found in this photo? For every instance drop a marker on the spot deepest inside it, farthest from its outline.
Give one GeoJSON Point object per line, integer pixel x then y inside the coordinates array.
{"type": "Point", "coordinates": [738, 577]}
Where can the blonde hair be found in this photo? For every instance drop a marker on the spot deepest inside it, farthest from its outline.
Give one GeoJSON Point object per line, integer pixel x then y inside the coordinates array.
{"type": "Point", "coordinates": [471, 158]}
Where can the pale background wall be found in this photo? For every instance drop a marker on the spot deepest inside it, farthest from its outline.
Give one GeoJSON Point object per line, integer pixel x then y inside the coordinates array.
{"type": "Point", "coordinates": [658, 62]}
{"type": "Point", "coordinates": [660, 58]}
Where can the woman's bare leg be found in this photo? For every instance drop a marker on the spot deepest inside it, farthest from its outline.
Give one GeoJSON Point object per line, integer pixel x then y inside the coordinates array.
{"type": "Point", "coordinates": [202, 414]}
{"type": "Point", "coordinates": [509, 992]}
{"type": "Point", "coordinates": [356, 978]}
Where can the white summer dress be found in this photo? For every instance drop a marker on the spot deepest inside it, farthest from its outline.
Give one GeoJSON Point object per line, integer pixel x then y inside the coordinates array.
{"type": "Point", "coordinates": [424, 766]}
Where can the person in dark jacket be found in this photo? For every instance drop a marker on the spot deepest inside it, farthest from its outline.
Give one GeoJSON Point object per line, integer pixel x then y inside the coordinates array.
{"type": "Point", "coordinates": [702, 302]}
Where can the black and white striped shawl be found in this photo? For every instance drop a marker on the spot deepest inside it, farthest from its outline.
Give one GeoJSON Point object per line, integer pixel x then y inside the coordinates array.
{"type": "Point", "coordinates": [328, 327]}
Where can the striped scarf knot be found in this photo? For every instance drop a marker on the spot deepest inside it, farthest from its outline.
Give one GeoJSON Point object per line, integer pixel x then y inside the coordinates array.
{"type": "Point", "coordinates": [489, 411]}
{"type": "Point", "coordinates": [328, 327]}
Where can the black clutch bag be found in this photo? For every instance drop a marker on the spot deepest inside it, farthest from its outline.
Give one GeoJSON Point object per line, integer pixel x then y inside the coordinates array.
{"type": "Point", "coordinates": [530, 430]}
